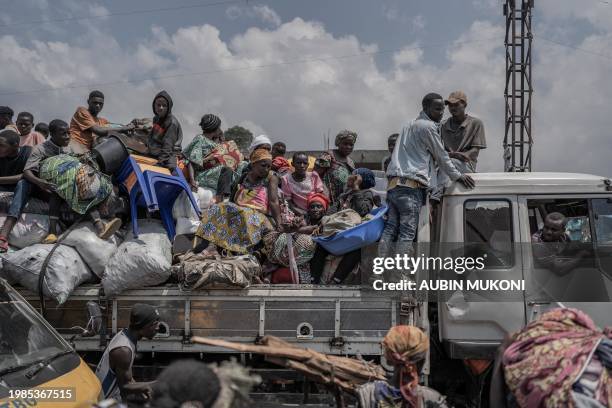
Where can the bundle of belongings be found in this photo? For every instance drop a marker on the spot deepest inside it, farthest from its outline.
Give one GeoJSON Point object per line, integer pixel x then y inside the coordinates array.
{"type": "Point", "coordinates": [560, 360]}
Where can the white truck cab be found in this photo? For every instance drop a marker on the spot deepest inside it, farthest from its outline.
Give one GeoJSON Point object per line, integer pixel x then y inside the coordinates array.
{"type": "Point", "coordinates": [501, 214]}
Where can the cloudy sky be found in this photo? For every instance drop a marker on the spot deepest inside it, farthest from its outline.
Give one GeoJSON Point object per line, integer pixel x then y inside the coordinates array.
{"type": "Point", "coordinates": [297, 70]}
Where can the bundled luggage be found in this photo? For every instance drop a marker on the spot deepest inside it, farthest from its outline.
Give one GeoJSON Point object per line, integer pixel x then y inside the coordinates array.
{"type": "Point", "coordinates": [139, 262]}
{"type": "Point", "coordinates": [196, 271]}
{"type": "Point", "coordinates": [65, 270]}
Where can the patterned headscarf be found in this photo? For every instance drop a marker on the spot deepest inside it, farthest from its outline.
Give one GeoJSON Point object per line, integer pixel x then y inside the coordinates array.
{"type": "Point", "coordinates": [324, 160]}
{"type": "Point", "coordinates": [210, 123]}
{"type": "Point", "coordinates": [345, 134]}
{"type": "Point", "coordinates": [318, 198]}
{"type": "Point", "coordinates": [279, 163]}
{"type": "Point", "coordinates": [404, 347]}
{"type": "Point", "coordinates": [260, 154]}
{"type": "Point", "coordinates": [368, 180]}
{"type": "Point", "coordinates": [547, 357]}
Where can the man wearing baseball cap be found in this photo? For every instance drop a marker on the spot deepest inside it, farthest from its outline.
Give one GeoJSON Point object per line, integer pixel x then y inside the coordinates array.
{"type": "Point", "coordinates": [463, 137]}
{"type": "Point", "coordinates": [115, 368]}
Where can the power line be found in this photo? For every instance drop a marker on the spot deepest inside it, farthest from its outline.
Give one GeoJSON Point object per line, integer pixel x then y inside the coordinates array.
{"type": "Point", "coordinates": [597, 54]}
{"type": "Point", "coordinates": [247, 68]}
{"type": "Point", "coordinates": [122, 13]}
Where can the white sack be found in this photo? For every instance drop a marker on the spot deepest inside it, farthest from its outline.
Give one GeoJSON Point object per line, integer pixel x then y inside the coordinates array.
{"type": "Point", "coordinates": [65, 270]}
{"type": "Point", "coordinates": [186, 225]}
{"type": "Point", "coordinates": [182, 206]}
{"type": "Point", "coordinates": [30, 229]}
{"type": "Point", "coordinates": [95, 252]}
{"type": "Point", "coordinates": [139, 262]}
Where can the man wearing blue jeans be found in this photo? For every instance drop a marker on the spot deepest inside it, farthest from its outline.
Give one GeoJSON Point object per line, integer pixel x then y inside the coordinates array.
{"type": "Point", "coordinates": [12, 162]}
{"type": "Point", "coordinates": [413, 164]}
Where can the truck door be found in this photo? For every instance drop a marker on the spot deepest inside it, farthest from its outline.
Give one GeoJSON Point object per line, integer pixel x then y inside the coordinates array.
{"type": "Point", "coordinates": [581, 275]}
{"type": "Point", "coordinates": [473, 326]}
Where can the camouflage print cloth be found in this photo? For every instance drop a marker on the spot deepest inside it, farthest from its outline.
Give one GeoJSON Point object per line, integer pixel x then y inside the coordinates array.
{"type": "Point", "coordinates": [81, 185]}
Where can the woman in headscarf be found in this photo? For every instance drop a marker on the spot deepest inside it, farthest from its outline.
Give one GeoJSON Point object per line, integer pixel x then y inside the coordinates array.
{"type": "Point", "coordinates": [238, 226]}
{"type": "Point", "coordinates": [404, 347]}
{"type": "Point", "coordinates": [211, 160]}
{"type": "Point", "coordinates": [341, 166]}
{"type": "Point", "coordinates": [164, 141]}
{"type": "Point", "coordinates": [260, 142]}
{"type": "Point", "coordinates": [560, 360]}
{"type": "Point", "coordinates": [276, 243]}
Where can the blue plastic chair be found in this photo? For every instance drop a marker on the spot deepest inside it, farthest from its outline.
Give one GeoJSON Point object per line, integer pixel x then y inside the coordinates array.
{"type": "Point", "coordinates": [356, 237]}
{"type": "Point", "coordinates": [155, 191]}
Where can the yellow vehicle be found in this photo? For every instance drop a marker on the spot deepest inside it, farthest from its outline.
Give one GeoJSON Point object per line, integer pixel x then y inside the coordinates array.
{"type": "Point", "coordinates": [38, 368]}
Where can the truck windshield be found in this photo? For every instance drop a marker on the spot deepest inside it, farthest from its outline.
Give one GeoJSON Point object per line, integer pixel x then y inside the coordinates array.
{"type": "Point", "coordinates": [25, 338]}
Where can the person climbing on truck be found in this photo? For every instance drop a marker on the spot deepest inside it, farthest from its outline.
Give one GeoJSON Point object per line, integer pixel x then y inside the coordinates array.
{"type": "Point", "coordinates": [115, 368]}
{"type": "Point", "coordinates": [411, 171]}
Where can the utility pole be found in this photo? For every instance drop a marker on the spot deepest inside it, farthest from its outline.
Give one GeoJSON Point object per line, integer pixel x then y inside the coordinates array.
{"type": "Point", "coordinates": [518, 139]}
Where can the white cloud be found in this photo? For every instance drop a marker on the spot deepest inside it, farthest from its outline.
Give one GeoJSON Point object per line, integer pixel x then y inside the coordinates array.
{"type": "Point", "coordinates": [267, 15]}
{"type": "Point", "coordinates": [333, 87]}
{"type": "Point", "coordinates": [393, 13]}
{"type": "Point", "coordinates": [418, 22]}
{"type": "Point", "coordinates": [98, 11]}
{"type": "Point", "coordinates": [258, 11]}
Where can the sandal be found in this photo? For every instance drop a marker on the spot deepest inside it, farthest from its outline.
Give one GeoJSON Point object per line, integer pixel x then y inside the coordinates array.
{"type": "Point", "coordinates": [110, 228]}
{"type": "Point", "coordinates": [50, 239]}
{"type": "Point", "coordinates": [4, 244]}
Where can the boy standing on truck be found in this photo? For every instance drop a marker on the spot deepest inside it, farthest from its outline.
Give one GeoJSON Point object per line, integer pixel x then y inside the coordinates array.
{"type": "Point", "coordinates": [115, 368]}
{"type": "Point", "coordinates": [411, 170]}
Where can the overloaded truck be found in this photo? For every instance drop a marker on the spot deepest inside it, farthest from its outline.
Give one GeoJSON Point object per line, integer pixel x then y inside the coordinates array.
{"type": "Point", "coordinates": [498, 217]}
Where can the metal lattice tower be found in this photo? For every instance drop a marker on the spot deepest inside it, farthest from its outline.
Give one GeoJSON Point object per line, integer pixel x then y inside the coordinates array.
{"type": "Point", "coordinates": [518, 139]}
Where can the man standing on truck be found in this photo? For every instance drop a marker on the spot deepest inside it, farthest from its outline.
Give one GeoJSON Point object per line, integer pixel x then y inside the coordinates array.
{"type": "Point", "coordinates": [115, 368]}
{"type": "Point", "coordinates": [463, 137]}
{"type": "Point", "coordinates": [411, 170]}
